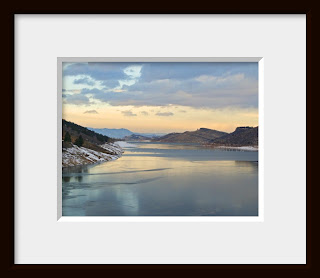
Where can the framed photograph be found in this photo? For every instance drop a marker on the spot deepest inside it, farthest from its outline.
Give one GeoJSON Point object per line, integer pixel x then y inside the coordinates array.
{"type": "Point", "coordinates": [160, 137]}
{"type": "Point", "coordinates": [155, 139]}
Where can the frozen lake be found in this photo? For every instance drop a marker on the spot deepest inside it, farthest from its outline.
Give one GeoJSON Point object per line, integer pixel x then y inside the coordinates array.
{"type": "Point", "coordinates": [153, 179]}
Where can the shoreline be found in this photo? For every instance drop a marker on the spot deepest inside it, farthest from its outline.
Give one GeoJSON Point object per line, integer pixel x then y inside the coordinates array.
{"type": "Point", "coordinates": [77, 156]}
{"type": "Point", "coordinates": [233, 147]}
{"type": "Point", "coordinates": [241, 148]}
{"type": "Point", "coordinates": [130, 144]}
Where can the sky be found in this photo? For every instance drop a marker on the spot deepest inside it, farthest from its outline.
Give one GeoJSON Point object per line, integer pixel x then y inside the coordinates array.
{"type": "Point", "coordinates": [158, 97]}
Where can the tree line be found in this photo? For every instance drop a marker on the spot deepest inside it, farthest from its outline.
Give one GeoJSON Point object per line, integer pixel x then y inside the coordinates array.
{"type": "Point", "coordinates": [78, 141]}
{"type": "Point", "coordinates": [83, 130]}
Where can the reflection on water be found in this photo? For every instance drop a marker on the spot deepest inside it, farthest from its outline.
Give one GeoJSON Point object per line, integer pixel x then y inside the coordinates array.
{"type": "Point", "coordinates": [165, 180]}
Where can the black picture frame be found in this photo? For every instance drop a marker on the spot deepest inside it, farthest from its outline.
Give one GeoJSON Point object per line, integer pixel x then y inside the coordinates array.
{"type": "Point", "coordinates": [9, 267]}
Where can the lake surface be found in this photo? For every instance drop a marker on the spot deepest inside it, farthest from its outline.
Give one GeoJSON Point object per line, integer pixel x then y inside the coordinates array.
{"type": "Point", "coordinates": [153, 179]}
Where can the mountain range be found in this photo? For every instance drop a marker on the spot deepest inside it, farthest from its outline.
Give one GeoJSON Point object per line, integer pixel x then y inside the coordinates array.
{"type": "Point", "coordinates": [242, 136]}
{"type": "Point", "coordinates": [201, 136]}
{"type": "Point", "coordinates": [97, 147]}
{"type": "Point", "coordinates": [121, 133]}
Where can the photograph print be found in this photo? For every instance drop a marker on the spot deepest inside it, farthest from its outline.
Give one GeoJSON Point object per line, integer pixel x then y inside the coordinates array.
{"type": "Point", "coordinates": [160, 139]}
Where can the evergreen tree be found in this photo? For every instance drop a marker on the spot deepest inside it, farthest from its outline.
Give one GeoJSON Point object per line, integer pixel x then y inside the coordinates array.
{"type": "Point", "coordinates": [67, 137]}
{"type": "Point", "coordinates": [79, 141]}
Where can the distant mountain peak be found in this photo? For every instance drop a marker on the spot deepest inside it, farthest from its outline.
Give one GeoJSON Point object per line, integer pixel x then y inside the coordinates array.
{"type": "Point", "coordinates": [201, 136]}
{"type": "Point", "coordinates": [243, 128]}
{"type": "Point", "coordinates": [242, 136]}
{"type": "Point", "coordinates": [121, 133]}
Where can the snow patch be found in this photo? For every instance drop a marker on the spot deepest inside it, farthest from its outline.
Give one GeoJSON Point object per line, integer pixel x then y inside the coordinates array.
{"type": "Point", "coordinates": [113, 148]}
{"type": "Point", "coordinates": [80, 156]}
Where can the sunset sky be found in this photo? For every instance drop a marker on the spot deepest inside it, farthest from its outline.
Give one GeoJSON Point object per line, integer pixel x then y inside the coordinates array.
{"type": "Point", "coordinates": [161, 97]}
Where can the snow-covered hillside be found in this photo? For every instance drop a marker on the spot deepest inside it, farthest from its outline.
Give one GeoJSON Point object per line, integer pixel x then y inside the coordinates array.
{"type": "Point", "coordinates": [79, 155]}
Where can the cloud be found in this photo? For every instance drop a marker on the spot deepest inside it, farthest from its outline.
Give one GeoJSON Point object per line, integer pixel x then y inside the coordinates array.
{"type": "Point", "coordinates": [218, 92]}
{"type": "Point", "coordinates": [91, 112]}
{"type": "Point", "coordinates": [233, 90]}
{"type": "Point", "coordinates": [164, 114]}
{"type": "Point", "coordinates": [182, 71]}
{"type": "Point", "coordinates": [97, 71]}
{"type": "Point", "coordinates": [197, 85]}
{"type": "Point", "coordinates": [109, 73]}
{"type": "Point", "coordinates": [110, 83]}
{"type": "Point", "coordinates": [128, 113]}
{"type": "Point", "coordinates": [84, 80]}
{"type": "Point", "coordinates": [145, 113]}
{"type": "Point", "coordinates": [77, 99]}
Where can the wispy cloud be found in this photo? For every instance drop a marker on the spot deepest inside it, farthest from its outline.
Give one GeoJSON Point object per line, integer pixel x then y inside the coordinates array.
{"type": "Point", "coordinates": [145, 113]}
{"type": "Point", "coordinates": [84, 80]}
{"type": "Point", "coordinates": [128, 113]}
{"type": "Point", "coordinates": [77, 99]}
{"type": "Point", "coordinates": [91, 112]}
{"type": "Point", "coordinates": [164, 114]}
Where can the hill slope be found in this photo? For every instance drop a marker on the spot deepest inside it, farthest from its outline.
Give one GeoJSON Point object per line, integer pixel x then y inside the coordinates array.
{"type": "Point", "coordinates": [242, 136]}
{"type": "Point", "coordinates": [136, 137]}
{"type": "Point", "coordinates": [95, 147]}
{"type": "Point", "coordinates": [121, 133]}
{"type": "Point", "coordinates": [112, 132]}
{"type": "Point", "coordinates": [88, 135]}
{"type": "Point", "coordinates": [201, 136]}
